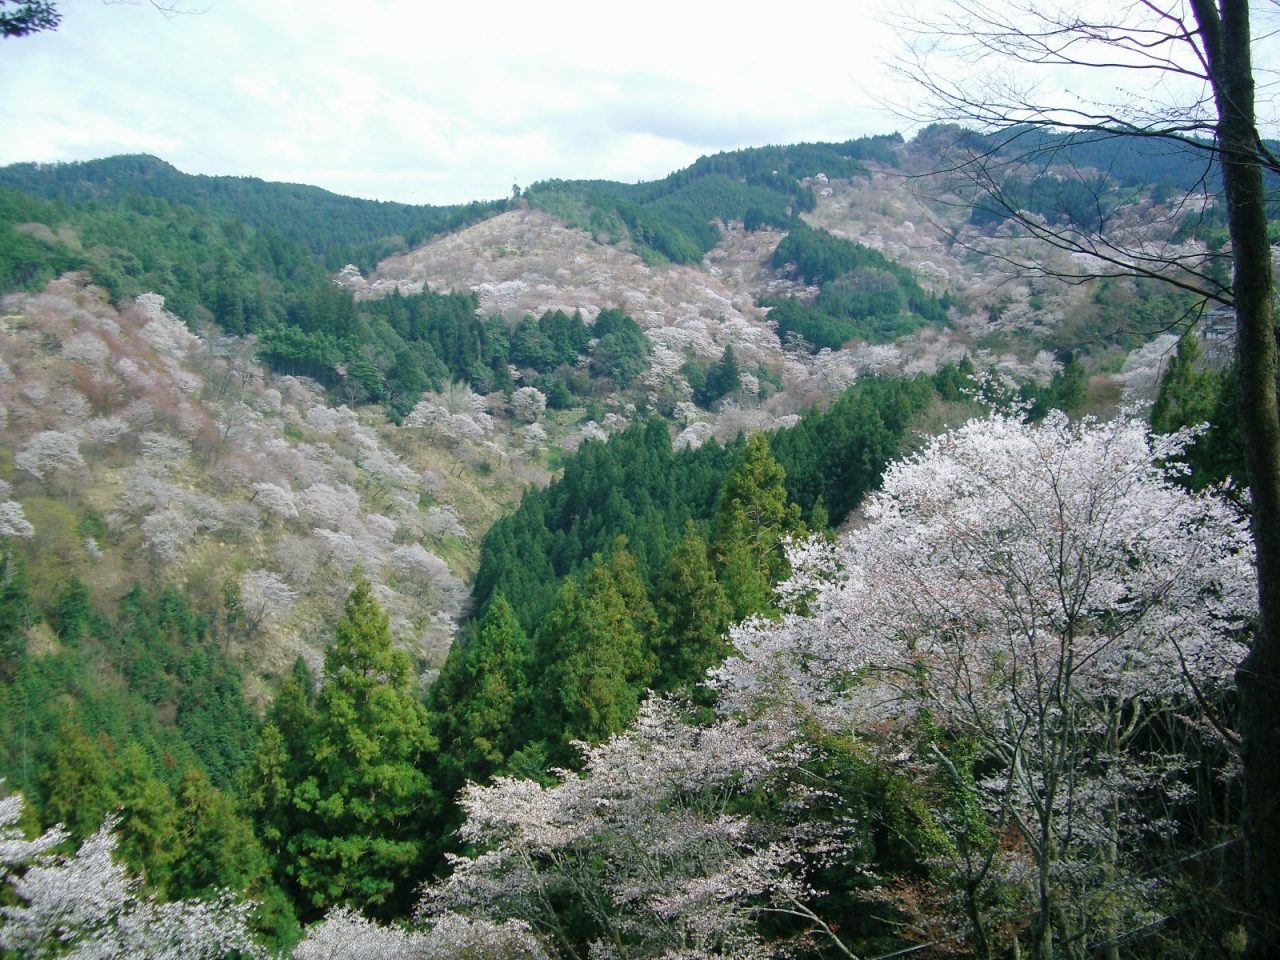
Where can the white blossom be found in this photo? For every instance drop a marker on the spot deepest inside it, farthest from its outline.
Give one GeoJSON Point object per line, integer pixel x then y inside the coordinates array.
{"type": "Point", "coordinates": [107, 430]}
{"type": "Point", "coordinates": [323, 503]}
{"type": "Point", "coordinates": [588, 431]}
{"type": "Point", "coordinates": [535, 435]}
{"type": "Point", "coordinates": [693, 436]}
{"type": "Point", "coordinates": [86, 348]}
{"type": "Point", "coordinates": [86, 906]}
{"type": "Point", "coordinates": [347, 552]}
{"type": "Point", "coordinates": [275, 499]}
{"type": "Point", "coordinates": [265, 598]}
{"type": "Point", "coordinates": [167, 533]}
{"type": "Point", "coordinates": [346, 935]}
{"type": "Point", "coordinates": [145, 491]}
{"type": "Point", "coordinates": [331, 419]}
{"type": "Point", "coordinates": [13, 522]}
{"type": "Point", "coordinates": [1140, 377]}
{"type": "Point", "coordinates": [163, 450]}
{"type": "Point", "coordinates": [645, 838]}
{"type": "Point", "coordinates": [528, 403]}
{"type": "Point", "coordinates": [1044, 591]}
{"type": "Point", "coordinates": [15, 849]}
{"type": "Point", "coordinates": [374, 526]}
{"type": "Point", "coordinates": [49, 451]}
{"type": "Point", "coordinates": [74, 405]}
{"type": "Point", "coordinates": [443, 521]}
{"type": "Point", "coordinates": [387, 467]}
{"type": "Point", "coordinates": [456, 414]}
{"type": "Point", "coordinates": [165, 332]}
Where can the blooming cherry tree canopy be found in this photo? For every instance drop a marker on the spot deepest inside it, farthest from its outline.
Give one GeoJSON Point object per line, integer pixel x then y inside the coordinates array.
{"type": "Point", "coordinates": [1042, 593]}
{"type": "Point", "coordinates": [1006, 558]}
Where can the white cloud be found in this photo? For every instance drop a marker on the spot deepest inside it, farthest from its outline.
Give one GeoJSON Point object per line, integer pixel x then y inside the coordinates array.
{"type": "Point", "coordinates": [436, 103]}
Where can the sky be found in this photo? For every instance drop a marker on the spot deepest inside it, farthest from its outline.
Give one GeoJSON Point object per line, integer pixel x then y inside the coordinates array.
{"type": "Point", "coordinates": [429, 102]}
{"type": "Point", "coordinates": [438, 102]}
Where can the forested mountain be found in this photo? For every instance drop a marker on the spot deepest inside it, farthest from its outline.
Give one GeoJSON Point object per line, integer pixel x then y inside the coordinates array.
{"type": "Point", "coordinates": [673, 218]}
{"type": "Point", "coordinates": [336, 229]}
{"type": "Point", "coordinates": [648, 570]}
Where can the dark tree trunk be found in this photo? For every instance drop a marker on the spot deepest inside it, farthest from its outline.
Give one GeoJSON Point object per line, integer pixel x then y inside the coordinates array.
{"type": "Point", "coordinates": [1225, 31]}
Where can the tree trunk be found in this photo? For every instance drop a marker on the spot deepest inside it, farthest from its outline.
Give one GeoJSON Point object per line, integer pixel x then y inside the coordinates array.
{"type": "Point", "coordinates": [1225, 30]}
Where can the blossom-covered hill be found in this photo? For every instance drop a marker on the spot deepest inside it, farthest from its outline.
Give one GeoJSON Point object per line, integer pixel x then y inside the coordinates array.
{"type": "Point", "coordinates": [135, 451]}
{"type": "Point", "coordinates": [528, 261]}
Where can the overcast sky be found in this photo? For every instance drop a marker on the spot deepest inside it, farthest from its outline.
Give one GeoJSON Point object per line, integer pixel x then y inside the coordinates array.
{"type": "Point", "coordinates": [437, 102]}
{"type": "Point", "coordinates": [448, 102]}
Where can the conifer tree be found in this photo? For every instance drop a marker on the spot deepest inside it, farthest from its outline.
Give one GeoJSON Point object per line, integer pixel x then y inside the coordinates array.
{"type": "Point", "coordinates": [724, 376]}
{"type": "Point", "coordinates": [1187, 394]}
{"type": "Point", "coordinates": [594, 657]}
{"type": "Point", "coordinates": [148, 818]}
{"type": "Point", "coordinates": [693, 613]}
{"type": "Point", "coordinates": [337, 784]}
{"type": "Point", "coordinates": [77, 781]}
{"type": "Point", "coordinates": [1191, 395]}
{"type": "Point", "coordinates": [477, 697]}
{"type": "Point", "coordinates": [72, 611]}
{"type": "Point", "coordinates": [752, 520]}
{"type": "Point", "coordinates": [15, 613]}
{"type": "Point", "coordinates": [219, 849]}
{"type": "Point", "coordinates": [268, 796]}
{"type": "Point", "coordinates": [220, 852]}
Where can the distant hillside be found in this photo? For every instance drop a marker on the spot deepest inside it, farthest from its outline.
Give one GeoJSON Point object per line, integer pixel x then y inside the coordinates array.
{"type": "Point", "coordinates": [1078, 178]}
{"type": "Point", "coordinates": [697, 259]}
{"type": "Point", "coordinates": [338, 229]}
{"type": "Point", "coordinates": [673, 218]}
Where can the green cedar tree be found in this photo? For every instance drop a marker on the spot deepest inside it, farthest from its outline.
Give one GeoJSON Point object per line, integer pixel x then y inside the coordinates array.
{"type": "Point", "coordinates": [77, 781]}
{"type": "Point", "coordinates": [693, 614]}
{"type": "Point", "coordinates": [148, 817]}
{"type": "Point", "coordinates": [593, 655]}
{"type": "Point", "coordinates": [752, 519]}
{"type": "Point", "coordinates": [340, 780]}
{"type": "Point", "coordinates": [219, 849]}
{"type": "Point", "coordinates": [478, 695]}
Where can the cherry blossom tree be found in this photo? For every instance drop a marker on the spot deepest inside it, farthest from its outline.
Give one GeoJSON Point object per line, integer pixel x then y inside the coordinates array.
{"type": "Point", "coordinates": [1191, 75]}
{"type": "Point", "coordinates": [167, 533]}
{"type": "Point", "coordinates": [85, 904]}
{"type": "Point", "coordinates": [264, 598]}
{"type": "Point", "coordinates": [13, 522]}
{"type": "Point", "coordinates": [234, 421]}
{"type": "Point", "coordinates": [456, 414]}
{"type": "Point", "coordinates": [107, 430]}
{"type": "Point", "coordinates": [443, 521]}
{"type": "Point", "coordinates": [346, 935]}
{"type": "Point", "coordinates": [323, 503]}
{"type": "Point", "coordinates": [48, 452]}
{"type": "Point", "coordinates": [1046, 595]}
{"type": "Point", "coordinates": [528, 403]}
{"type": "Point", "coordinates": [420, 572]}
{"type": "Point", "coordinates": [275, 499]}
{"type": "Point", "coordinates": [643, 844]}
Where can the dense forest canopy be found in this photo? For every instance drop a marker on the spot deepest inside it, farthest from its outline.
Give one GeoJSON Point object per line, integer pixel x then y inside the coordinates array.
{"type": "Point", "coordinates": [674, 218]}
{"type": "Point", "coordinates": [337, 229]}
{"type": "Point", "coordinates": [864, 294]}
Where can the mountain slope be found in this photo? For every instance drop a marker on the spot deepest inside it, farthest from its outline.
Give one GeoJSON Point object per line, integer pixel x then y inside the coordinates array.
{"type": "Point", "coordinates": [336, 228]}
